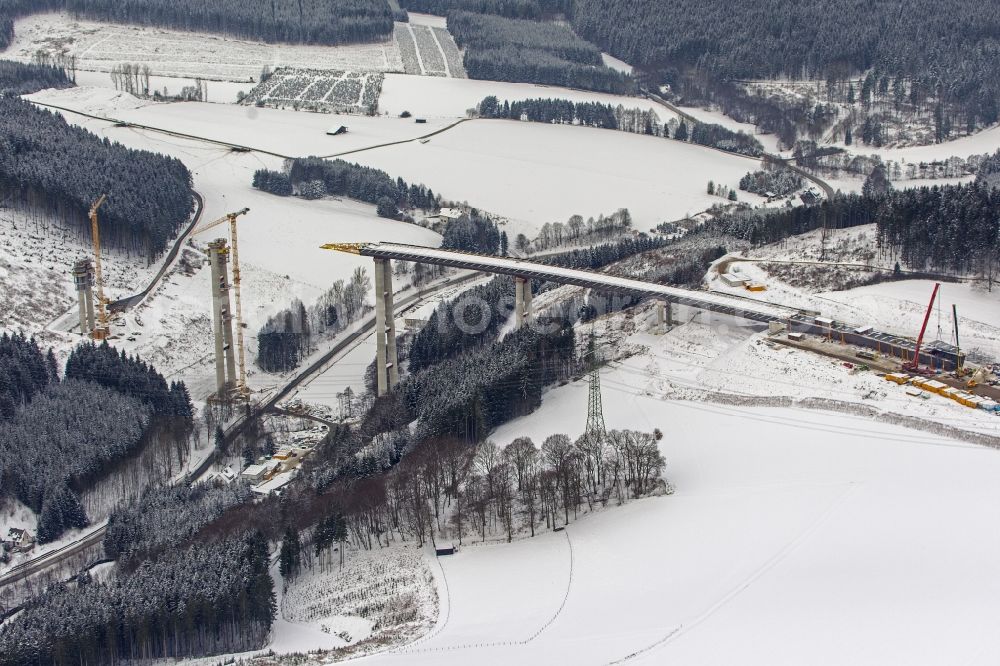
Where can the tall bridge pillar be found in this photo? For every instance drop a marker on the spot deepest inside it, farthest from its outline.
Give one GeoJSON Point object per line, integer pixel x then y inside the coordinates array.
{"type": "Point", "coordinates": [522, 301]}
{"type": "Point", "coordinates": [664, 315]}
{"type": "Point", "coordinates": [222, 317]}
{"type": "Point", "coordinates": [386, 357]}
{"type": "Point", "coordinates": [83, 275]}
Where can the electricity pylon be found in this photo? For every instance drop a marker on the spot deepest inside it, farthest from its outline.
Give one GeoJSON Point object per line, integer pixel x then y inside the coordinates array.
{"type": "Point", "coordinates": [595, 410]}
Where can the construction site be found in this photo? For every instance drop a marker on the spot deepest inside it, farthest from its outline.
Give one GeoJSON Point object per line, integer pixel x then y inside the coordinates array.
{"type": "Point", "coordinates": [901, 359]}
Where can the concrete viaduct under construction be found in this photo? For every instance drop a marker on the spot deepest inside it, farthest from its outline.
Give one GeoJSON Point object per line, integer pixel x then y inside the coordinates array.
{"type": "Point", "coordinates": [523, 271]}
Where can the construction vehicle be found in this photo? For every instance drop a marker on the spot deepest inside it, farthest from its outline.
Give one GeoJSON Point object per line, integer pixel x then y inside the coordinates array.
{"type": "Point", "coordinates": [913, 365]}
{"type": "Point", "coordinates": [103, 329]}
{"type": "Point", "coordinates": [980, 376]}
{"type": "Point", "coordinates": [242, 390]}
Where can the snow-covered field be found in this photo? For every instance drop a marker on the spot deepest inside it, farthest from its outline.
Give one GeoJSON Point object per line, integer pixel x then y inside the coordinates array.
{"type": "Point", "coordinates": [431, 97]}
{"type": "Point", "coordinates": [279, 239]}
{"type": "Point", "coordinates": [793, 537]}
{"type": "Point", "coordinates": [101, 46]}
{"type": "Point", "coordinates": [534, 173]}
{"type": "Point", "coordinates": [291, 133]}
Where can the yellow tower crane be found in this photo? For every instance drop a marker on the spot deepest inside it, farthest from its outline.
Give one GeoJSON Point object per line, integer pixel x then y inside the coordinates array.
{"type": "Point", "coordinates": [242, 389]}
{"type": "Point", "coordinates": [103, 329]}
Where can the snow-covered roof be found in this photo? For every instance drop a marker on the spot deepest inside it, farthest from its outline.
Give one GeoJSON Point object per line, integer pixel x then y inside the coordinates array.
{"type": "Point", "coordinates": [279, 481]}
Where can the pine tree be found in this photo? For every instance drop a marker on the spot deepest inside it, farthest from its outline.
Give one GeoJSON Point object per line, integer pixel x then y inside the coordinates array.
{"type": "Point", "coordinates": [290, 556]}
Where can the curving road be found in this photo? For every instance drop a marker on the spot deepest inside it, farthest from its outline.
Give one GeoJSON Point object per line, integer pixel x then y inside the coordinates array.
{"type": "Point", "coordinates": [127, 302]}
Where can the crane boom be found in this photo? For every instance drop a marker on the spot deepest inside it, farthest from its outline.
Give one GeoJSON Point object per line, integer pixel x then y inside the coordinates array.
{"type": "Point", "coordinates": [242, 387]}
{"type": "Point", "coordinates": [103, 326]}
{"type": "Point", "coordinates": [958, 345]}
{"type": "Point", "coordinates": [915, 363]}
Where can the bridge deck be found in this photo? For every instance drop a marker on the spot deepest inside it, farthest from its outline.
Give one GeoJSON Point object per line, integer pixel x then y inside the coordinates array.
{"type": "Point", "coordinates": [721, 303]}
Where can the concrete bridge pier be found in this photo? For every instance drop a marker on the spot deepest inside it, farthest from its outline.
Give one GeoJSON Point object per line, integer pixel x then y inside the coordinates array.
{"type": "Point", "coordinates": [386, 357]}
{"type": "Point", "coordinates": [522, 301]}
{"type": "Point", "coordinates": [664, 315]}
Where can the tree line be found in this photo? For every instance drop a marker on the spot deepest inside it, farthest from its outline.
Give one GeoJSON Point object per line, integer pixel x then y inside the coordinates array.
{"type": "Point", "coordinates": [50, 166]}
{"type": "Point", "coordinates": [777, 180]}
{"type": "Point", "coordinates": [951, 228]}
{"type": "Point", "coordinates": [520, 9]}
{"type": "Point", "coordinates": [472, 232]}
{"type": "Point", "coordinates": [314, 177]}
{"type": "Point", "coordinates": [637, 121]}
{"type": "Point", "coordinates": [202, 600]}
{"type": "Point", "coordinates": [18, 78]}
{"type": "Point", "coordinates": [288, 336]}
{"type": "Point", "coordinates": [508, 49]}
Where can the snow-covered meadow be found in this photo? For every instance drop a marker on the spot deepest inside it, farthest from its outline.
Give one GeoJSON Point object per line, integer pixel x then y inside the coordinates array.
{"type": "Point", "coordinates": [433, 97]}
{"type": "Point", "coordinates": [534, 173]}
{"type": "Point", "coordinates": [99, 46]}
{"type": "Point", "coordinates": [792, 537]}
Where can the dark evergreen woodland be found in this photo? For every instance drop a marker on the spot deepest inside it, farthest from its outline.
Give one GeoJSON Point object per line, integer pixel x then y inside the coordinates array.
{"type": "Point", "coordinates": [128, 375]}
{"type": "Point", "coordinates": [503, 49]}
{"type": "Point", "coordinates": [18, 78]}
{"type": "Point", "coordinates": [949, 49]}
{"type": "Point", "coordinates": [522, 9]}
{"type": "Point", "coordinates": [59, 169]}
{"type": "Point", "coordinates": [166, 516]}
{"type": "Point", "coordinates": [208, 599]}
{"type": "Point", "coordinates": [24, 372]}
{"type": "Point", "coordinates": [470, 395]}
{"type": "Point", "coordinates": [490, 304]}
{"type": "Point", "coordinates": [299, 21]}
{"type": "Point", "coordinates": [472, 233]}
{"type": "Point", "coordinates": [954, 228]}
{"type": "Point", "coordinates": [595, 114]}
{"type": "Point", "coordinates": [314, 177]}
{"type": "Point", "coordinates": [779, 181]}
{"type": "Point", "coordinates": [64, 438]}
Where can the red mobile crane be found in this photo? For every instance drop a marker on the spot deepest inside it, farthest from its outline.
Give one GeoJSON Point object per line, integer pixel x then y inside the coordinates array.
{"type": "Point", "coordinates": [914, 364]}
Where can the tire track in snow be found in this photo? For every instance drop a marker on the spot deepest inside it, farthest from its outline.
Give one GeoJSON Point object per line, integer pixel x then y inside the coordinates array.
{"type": "Point", "coordinates": [768, 565]}
{"type": "Point", "coordinates": [511, 643]}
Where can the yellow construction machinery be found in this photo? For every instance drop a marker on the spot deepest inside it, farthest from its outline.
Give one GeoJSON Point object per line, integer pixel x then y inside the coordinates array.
{"type": "Point", "coordinates": [103, 329]}
{"type": "Point", "coordinates": [242, 389]}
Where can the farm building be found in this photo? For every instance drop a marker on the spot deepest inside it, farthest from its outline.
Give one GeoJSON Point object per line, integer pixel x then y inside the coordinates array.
{"type": "Point", "coordinates": [18, 540]}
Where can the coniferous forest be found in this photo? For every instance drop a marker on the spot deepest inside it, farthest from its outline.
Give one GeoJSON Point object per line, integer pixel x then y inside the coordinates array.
{"type": "Point", "coordinates": [952, 228]}
{"type": "Point", "coordinates": [52, 167]}
{"type": "Point", "coordinates": [314, 177]}
{"type": "Point", "coordinates": [505, 49]}
{"type": "Point", "coordinates": [606, 116]}
{"type": "Point", "coordinates": [946, 48]}
{"type": "Point", "coordinates": [63, 436]}
{"type": "Point", "coordinates": [301, 21]}
{"type": "Point", "coordinates": [523, 9]}
{"type": "Point", "coordinates": [209, 598]}
{"type": "Point", "coordinates": [18, 78]}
